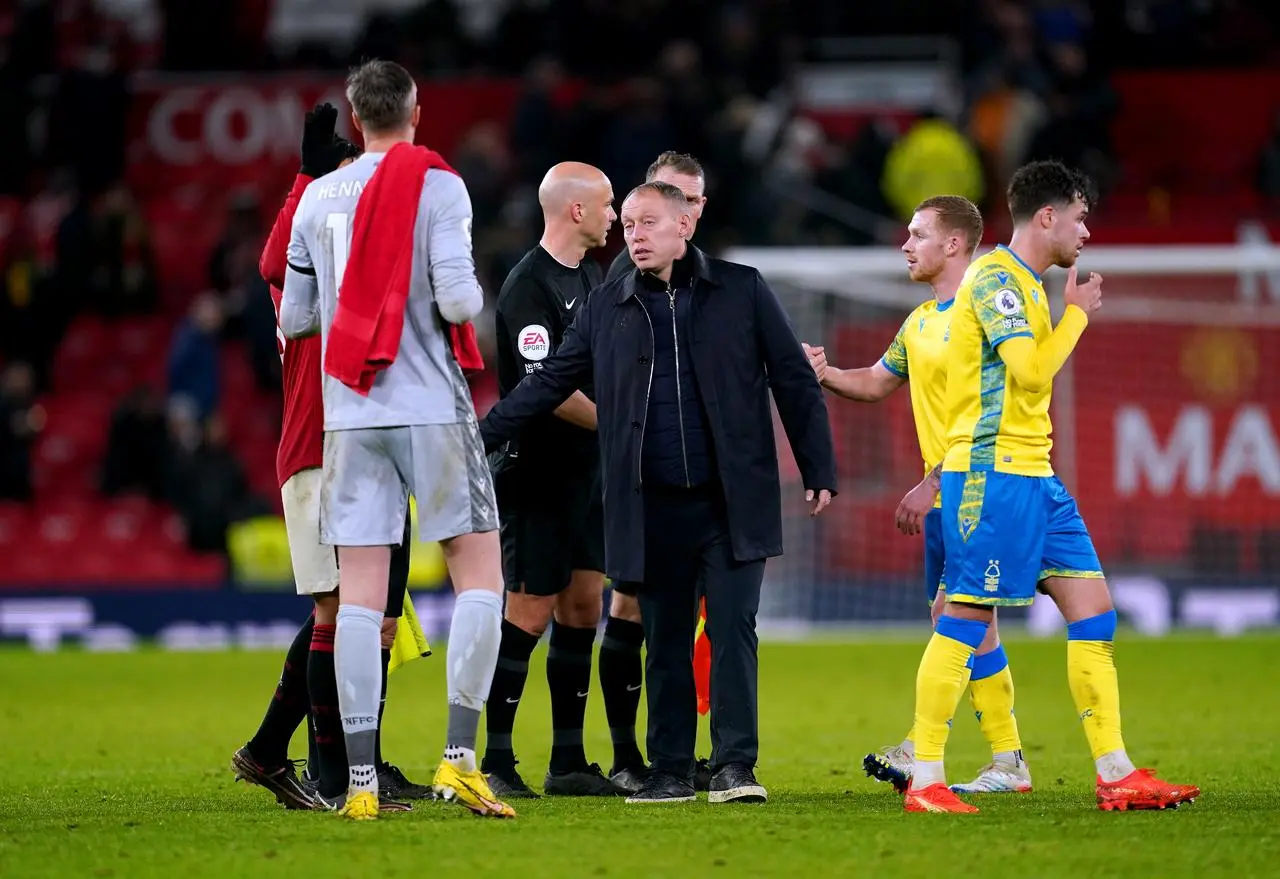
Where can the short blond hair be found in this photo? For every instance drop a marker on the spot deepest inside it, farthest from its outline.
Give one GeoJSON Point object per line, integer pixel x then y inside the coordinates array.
{"type": "Point", "coordinates": [668, 192]}
{"type": "Point", "coordinates": [956, 214]}
{"type": "Point", "coordinates": [681, 163]}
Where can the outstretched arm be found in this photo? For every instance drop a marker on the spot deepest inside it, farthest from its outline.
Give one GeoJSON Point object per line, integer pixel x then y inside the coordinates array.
{"type": "Point", "coordinates": [545, 389]}
{"type": "Point", "coordinates": [524, 308]}
{"type": "Point", "coordinates": [871, 384]}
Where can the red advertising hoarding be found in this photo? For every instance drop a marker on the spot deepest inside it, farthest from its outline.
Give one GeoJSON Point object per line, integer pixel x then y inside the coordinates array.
{"type": "Point", "coordinates": [1176, 436]}
{"type": "Point", "coordinates": [238, 132]}
{"type": "Point", "coordinates": [194, 144]}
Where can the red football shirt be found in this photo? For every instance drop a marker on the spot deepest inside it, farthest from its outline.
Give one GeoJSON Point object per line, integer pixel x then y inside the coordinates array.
{"type": "Point", "coordinates": [302, 428]}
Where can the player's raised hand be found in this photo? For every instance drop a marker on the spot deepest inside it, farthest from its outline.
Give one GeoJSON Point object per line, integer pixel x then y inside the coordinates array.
{"type": "Point", "coordinates": [1087, 296]}
{"type": "Point", "coordinates": [817, 359]}
{"type": "Point", "coordinates": [322, 150]}
{"type": "Point", "coordinates": [819, 500]}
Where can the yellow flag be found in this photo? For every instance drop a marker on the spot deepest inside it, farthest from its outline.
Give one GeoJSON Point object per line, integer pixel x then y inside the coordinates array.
{"type": "Point", "coordinates": [411, 642]}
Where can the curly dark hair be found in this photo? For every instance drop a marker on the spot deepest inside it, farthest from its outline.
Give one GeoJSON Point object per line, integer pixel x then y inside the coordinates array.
{"type": "Point", "coordinates": [1041, 184]}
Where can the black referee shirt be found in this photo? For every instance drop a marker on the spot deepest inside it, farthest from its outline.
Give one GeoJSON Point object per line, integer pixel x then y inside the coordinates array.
{"type": "Point", "coordinates": [538, 302]}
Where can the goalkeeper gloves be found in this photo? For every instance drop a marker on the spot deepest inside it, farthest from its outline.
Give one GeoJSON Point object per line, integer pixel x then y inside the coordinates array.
{"type": "Point", "coordinates": [323, 150]}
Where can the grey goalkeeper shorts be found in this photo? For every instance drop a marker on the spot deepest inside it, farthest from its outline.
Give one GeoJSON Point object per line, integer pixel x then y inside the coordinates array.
{"type": "Point", "coordinates": [369, 474]}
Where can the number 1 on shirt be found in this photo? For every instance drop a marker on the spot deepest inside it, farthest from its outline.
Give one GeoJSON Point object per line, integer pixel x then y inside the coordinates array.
{"type": "Point", "coordinates": [337, 224]}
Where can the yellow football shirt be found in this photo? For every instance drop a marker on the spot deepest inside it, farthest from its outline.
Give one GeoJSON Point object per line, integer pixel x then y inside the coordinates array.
{"type": "Point", "coordinates": [918, 354]}
{"type": "Point", "coordinates": [992, 422]}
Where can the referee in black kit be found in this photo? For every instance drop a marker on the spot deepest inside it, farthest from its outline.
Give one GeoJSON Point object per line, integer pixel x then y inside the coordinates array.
{"type": "Point", "coordinates": [547, 481]}
{"type": "Point", "coordinates": [682, 353]}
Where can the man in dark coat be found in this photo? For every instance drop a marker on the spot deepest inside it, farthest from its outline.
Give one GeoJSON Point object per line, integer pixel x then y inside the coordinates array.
{"type": "Point", "coordinates": [683, 352]}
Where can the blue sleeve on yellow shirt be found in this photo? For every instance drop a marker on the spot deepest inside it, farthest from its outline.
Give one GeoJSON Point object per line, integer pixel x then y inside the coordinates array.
{"type": "Point", "coordinates": [1000, 305]}
{"type": "Point", "coordinates": [895, 359]}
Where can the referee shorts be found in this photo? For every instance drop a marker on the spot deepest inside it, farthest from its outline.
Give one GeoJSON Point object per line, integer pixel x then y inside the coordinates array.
{"type": "Point", "coordinates": [549, 529]}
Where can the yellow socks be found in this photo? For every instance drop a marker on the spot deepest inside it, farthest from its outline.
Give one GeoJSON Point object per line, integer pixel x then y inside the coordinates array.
{"type": "Point", "coordinates": [1095, 687]}
{"type": "Point", "coordinates": [991, 694]}
{"type": "Point", "coordinates": [940, 683]}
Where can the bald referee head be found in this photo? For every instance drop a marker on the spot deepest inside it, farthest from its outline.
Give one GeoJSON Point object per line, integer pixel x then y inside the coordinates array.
{"type": "Point", "coordinates": [577, 206]}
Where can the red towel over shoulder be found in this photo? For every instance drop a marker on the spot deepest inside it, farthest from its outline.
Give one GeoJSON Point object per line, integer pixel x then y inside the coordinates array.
{"type": "Point", "coordinates": [365, 335]}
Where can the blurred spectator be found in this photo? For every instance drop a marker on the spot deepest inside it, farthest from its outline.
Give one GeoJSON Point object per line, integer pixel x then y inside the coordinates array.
{"type": "Point", "coordinates": [691, 100]}
{"type": "Point", "coordinates": [1081, 105]}
{"type": "Point", "coordinates": [521, 35]}
{"type": "Point", "coordinates": [194, 357]}
{"type": "Point", "coordinates": [21, 420]}
{"type": "Point", "coordinates": [137, 446]}
{"type": "Point", "coordinates": [584, 126]}
{"type": "Point", "coordinates": [536, 130]}
{"type": "Point", "coordinates": [1002, 121]}
{"type": "Point", "coordinates": [484, 162]}
{"type": "Point", "coordinates": [234, 261]}
{"type": "Point", "coordinates": [205, 36]}
{"type": "Point", "coordinates": [639, 130]}
{"type": "Point", "coordinates": [87, 117]}
{"type": "Point", "coordinates": [206, 485]}
{"type": "Point", "coordinates": [432, 40]}
{"type": "Point", "coordinates": [123, 278]}
{"type": "Point", "coordinates": [931, 157]}
{"type": "Point", "coordinates": [745, 59]}
{"type": "Point", "coordinates": [16, 105]}
{"type": "Point", "coordinates": [856, 171]}
{"type": "Point", "coordinates": [34, 307]}
{"type": "Point", "coordinates": [1062, 21]}
{"type": "Point", "coordinates": [1269, 168]}
{"type": "Point", "coordinates": [258, 319]}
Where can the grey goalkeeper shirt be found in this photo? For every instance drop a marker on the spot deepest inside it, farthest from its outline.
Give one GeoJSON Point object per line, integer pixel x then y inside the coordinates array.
{"type": "Point", "coordinates": [424, 385]}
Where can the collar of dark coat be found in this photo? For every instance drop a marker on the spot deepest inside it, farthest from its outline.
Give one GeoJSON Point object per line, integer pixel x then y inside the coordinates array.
{"type": "Point", "coordinates": [698, 262]}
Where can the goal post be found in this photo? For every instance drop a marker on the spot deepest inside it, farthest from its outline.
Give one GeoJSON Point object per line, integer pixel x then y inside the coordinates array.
{"type": "Point", "coordinates": [1166, 426]}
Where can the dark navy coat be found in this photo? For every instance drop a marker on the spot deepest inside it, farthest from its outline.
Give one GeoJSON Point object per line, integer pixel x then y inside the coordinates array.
{"type": "Point", "coordinates": [743, 346]}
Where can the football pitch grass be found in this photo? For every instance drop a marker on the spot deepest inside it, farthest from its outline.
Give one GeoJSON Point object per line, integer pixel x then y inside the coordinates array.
{"type": "Point", "coordinates": [117, 766]}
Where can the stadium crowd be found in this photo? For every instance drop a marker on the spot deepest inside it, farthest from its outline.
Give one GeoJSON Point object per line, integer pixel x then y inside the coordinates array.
{"type": "Point", "coordinates": [713, 79]}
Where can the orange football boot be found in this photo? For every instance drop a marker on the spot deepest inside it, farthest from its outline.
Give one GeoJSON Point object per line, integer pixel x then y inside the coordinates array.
{"type": "Point", "coordinates": [1141, 789]}
{"type": "Point", "coordinates": [936, 797]}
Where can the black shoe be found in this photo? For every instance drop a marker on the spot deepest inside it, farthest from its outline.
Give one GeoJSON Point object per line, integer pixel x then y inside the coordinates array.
{"type": "Point", "coordinates": [702, 774]}
{"type": "Point", "coordinates": [629, 779]}
{"type": "Point", "coordinates": [736, 783]}
{"type": "Point", "coordinates": [393, 784]}
{"type": "Point", "coordinates": [506, 783]}
{"type": "Point", "coordinates": [663, 787]}
{"type": "Point", "coordinates": [281, 780]}
{"type": "Point", "coordinates": [586, 782]}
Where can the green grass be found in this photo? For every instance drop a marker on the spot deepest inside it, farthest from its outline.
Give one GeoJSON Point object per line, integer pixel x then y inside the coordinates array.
{"type": "Point", "coordinates": [116, 765]}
